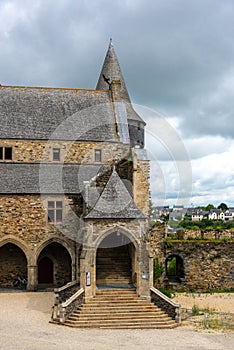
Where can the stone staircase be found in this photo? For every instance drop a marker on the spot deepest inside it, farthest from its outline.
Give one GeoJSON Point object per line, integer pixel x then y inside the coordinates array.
{"type": "Point", "coordinates": [119, 308]}
{"type": "Point", "coordinates": [113, 266]}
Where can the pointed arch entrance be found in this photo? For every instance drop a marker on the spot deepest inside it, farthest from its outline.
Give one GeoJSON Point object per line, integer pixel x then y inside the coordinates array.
{"type": "Point", "coordinates": [54, 266]}
{"type": "Point", "coordinates": [13, 264]}
{"type": "Point", "coordinates": [115, 261]}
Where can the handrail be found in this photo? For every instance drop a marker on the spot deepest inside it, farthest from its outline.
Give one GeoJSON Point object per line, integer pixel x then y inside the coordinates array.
{"type": "Point", "coordinates": [67, 307]}
{"type": "Point", "coordinates": [166, 304]}
{"type": "Point", "coordinates": [73, 297]}
{"type": "Point", "coordinates": [61, 295]}
{"type": "Point", "coordinates": [66, 286]}
{"type": "Point", "coordinates": [163, 296]}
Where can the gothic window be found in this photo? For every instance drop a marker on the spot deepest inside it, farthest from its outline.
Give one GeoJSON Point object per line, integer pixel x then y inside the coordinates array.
{"type": "Point", "coordinates": [55, 211]}
{"type": "Point", "coordinates": [5, 153]}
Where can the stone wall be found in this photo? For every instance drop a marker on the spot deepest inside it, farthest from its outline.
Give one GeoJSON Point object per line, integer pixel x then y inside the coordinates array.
{"type": "Point", "coordinates": [203, 234]}
{"type": "Point", "coordinates": [141, 190]}
{"type": "Point", "coordinates": [24, 217]}
{"type": "Point", "coordinates": [208, 263]}
{"type": "Point", "coordinates": [71, 152]}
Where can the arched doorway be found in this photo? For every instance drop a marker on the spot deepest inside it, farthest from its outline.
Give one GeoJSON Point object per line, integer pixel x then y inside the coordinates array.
{"type": "Point", "coordinates": [13, 265]}
{"type": "Point", "coordinates": [115, 261]}
{"type": "Point", "coordinates": [45, 271]}
{"type": "Point", "coordinates": [175, 268]}
{"type": "Point", "coordinates": [54, 266]}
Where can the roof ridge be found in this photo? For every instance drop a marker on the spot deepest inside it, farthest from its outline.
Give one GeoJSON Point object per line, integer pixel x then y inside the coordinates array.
{"type": "Point", "coordinates": [50, 88]}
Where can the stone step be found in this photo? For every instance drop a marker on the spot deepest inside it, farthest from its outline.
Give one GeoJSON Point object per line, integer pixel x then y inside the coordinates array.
{"type": "Point", "coordinates": [118, 306]}
{"type": "Point", "coordinates": [112, 308]}
{"type": "Point", "coordinates": [113, 281]}
{"type": "Point", "coordinates": [119, 316]}
{"type": "Point", "coordinates": [123, 325]}
{"type": "Point", "coordinates": [117, 311]}
{"type": "Point", "coordinates": [123, 302]}
{"type": "Point", "coordinates": [111, 291]}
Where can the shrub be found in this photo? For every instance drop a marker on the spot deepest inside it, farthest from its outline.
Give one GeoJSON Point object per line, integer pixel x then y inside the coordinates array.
{"type": "Point", "coordinates": [195, 310]}
{"type": "Point", "coordinates": [157, 269]}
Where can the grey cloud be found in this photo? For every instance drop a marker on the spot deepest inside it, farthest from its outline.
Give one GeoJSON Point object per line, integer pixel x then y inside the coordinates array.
{"type": "Point", "coordinates": [175, 55]}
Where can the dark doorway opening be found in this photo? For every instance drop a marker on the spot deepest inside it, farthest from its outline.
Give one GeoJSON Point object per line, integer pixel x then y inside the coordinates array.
{"type": "Point", "coordinates": [13, 266]}
{"type": "Point", "coordinates": [175, 268]}
{"type": "Point", "coordinates": [114, 262]}
{"type": "Point", "coordinates": [46, 271]}
{"type": "Point", "coordinates": [54, 266]}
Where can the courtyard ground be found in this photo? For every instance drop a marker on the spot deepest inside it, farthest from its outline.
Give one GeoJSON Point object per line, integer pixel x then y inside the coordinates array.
{"type": "Point", "coordinates": [24, 324]}
{"type": "Point", "coordinates": [220, 302]}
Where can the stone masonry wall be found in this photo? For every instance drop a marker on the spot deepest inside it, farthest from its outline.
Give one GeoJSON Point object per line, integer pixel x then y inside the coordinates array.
{"type": "Point", "coordinates": [25, 217]}
{"type": "Point", "coordinates": [71, 152]}
{"type": "Point", "coordinates": [208, 263]}
{"type": "Point", "coordinates": [141, 185]}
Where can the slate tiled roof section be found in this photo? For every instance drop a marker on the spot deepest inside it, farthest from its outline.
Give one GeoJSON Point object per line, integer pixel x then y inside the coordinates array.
{"type": "Point", "coordinates": [115, 202]}
{"type": "Point", "coordinates": [45, 178]}
{"type": "Point", "coordinates": [50, 113]}
{"type": "Point", "coordinates": [121, 116]}
{"type": "Point", "coordinates": [112, 71]}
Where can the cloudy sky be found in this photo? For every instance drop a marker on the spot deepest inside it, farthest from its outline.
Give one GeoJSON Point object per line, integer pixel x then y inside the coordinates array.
{"type": "Point", "coordinates": [177, 57]}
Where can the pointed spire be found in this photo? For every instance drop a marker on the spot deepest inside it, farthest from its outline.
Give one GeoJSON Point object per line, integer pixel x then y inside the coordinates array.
{"type": "Point", "coordinates": [111, 71]}
{"type": "Point", "coordinates": [115, 202]}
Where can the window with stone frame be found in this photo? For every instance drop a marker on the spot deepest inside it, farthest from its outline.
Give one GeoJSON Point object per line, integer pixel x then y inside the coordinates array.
{"type": "Point", "coordinates": [5, 153]}
{"type": "Point", "coordinates": [55, 211]}
{"type": "Point", "coordinates": [97, 155]}
{"type": "Point", "coordinates": [56, 154]}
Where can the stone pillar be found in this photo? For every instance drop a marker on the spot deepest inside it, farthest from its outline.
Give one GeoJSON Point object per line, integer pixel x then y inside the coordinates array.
{"type": "Point", "coordinates": [73, 267]}
{"type": "Point", "coordinates": [88, 272]}
{"type": "Point", "coordinates": [32, 278]}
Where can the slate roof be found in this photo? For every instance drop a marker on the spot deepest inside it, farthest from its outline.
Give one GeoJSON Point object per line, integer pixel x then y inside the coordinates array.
{"type": "Point", "coordinates": [115, 202]}
{"type": "Point", "coordinates": [37, 178]}
{"type": "Point", "coordinates": [41, 113]}
{"type": "Point", "coordinates": [112, 71]}
{"type": "Point", "coordinates": [50, 113]}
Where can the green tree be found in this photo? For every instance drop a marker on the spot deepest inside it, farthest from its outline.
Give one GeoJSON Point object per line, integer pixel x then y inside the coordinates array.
{"type": "Point", "coordinates": [209, 207]}
{"type": "Point", "coordinates": [223, 206]}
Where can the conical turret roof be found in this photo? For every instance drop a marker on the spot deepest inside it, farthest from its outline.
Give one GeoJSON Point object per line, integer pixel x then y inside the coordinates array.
{"type": "Point", "coordinates": [111, 71]}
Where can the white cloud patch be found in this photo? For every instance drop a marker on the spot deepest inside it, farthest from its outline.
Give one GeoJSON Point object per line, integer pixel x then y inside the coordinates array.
{"type": "Point", "coordinates": [176, 56]}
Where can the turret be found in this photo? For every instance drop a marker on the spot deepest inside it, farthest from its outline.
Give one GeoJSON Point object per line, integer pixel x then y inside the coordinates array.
{"type": "Point", "coordinates": [109, 76]}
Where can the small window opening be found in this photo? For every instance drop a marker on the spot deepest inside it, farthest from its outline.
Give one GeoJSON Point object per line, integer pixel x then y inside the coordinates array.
{"type": "Point", "coordinates": [5, 153]}
{"type": "Point", "coordinates": [98, 155]}
{"type": "Point", "coordinates": [56, 154]}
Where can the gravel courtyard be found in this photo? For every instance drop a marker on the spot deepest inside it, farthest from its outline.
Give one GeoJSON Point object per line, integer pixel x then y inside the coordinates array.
{"type": "Point", "coordinates": [24, 325]}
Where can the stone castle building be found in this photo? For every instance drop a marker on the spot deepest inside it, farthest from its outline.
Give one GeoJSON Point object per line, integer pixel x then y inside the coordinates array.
{"type": "Point", "coordinates": [74, 196]}
{"type": "Point", "coordinates": [74, 185]}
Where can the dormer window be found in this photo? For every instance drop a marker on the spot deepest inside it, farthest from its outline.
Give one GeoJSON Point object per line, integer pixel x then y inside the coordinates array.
{"type": "Point", "coordinates": [56, 154]}
{"type": "Point", "coordinates": [5, 153]}
{"type": "Point", "coordinates": [98, 155]}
